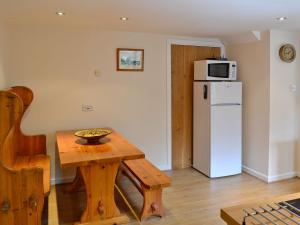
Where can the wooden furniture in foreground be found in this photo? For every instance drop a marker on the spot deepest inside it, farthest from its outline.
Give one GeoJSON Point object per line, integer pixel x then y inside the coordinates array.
{"type": "Point", "coordinates": [234, 215]}
{"type": "Point", "coordinates": [150, 181]}
{"type": "Point", "coordinates": [183, 58]}
{"type": "Point", "coordinates": [97, 166]}
{"type": "Point", "coordinates": [24, 165]}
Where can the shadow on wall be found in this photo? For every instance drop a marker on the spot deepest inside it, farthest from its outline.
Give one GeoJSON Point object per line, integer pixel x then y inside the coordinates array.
{"type": "Point", "coordinates": [65, 175]}
{"type": "Point", "coordinates": [2, 69]}
{"type": "Point", "coordinates": [58, 175]}
{"type": "Point", "coordinates": [297, 157]}
{"type": "Point", "coordinates": [282, 164]}
{"type": "Point", "coordinates": [2, 57]}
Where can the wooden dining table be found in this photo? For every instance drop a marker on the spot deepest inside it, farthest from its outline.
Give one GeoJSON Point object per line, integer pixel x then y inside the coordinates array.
{"type": "Point", "coordinates": [97, 166]}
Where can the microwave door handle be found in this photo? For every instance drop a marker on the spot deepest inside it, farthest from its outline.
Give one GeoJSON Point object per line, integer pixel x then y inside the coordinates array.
{"type": "Point", "coordinates": [205, 91]}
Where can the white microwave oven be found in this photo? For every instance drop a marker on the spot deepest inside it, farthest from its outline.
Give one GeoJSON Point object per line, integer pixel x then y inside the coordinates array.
{"type": "Point", "coordinates": [215, 70]}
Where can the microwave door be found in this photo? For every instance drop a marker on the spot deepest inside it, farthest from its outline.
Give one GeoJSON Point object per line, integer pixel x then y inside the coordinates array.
{"type": "Point", "coordinates": [218, 70]}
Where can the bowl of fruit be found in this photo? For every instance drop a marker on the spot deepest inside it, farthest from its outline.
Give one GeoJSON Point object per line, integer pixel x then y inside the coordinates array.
{"type": "Point", "coordinates": [93, 135]}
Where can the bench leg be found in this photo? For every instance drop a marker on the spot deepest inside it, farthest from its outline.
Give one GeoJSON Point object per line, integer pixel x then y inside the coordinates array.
{"type": "Point", "coordinates": [152, 203]}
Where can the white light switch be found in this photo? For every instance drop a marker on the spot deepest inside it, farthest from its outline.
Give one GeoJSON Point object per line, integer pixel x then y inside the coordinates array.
{"type": "Point", "coordinates": [293, 87]}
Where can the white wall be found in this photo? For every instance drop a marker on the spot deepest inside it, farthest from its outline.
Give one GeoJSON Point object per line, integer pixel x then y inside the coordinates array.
{"type": "Point", "coordinates": [297, 156]}
{"type": "Point", "coordinates": [2, 55]}
{"type": "Point", "coordinates": [283, 106]}
{"type": "Point", "coordinates": [59, 64]}
{"type": "Point", "coordinates": [253, 71]}
{"type": "Point", "coordinates": [273, 148]}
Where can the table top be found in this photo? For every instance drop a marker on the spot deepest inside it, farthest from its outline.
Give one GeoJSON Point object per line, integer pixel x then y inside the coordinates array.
{"type": "Point", "coordinates": [234, 215]}
{"type": "Point", "coordinates": [74, 151]}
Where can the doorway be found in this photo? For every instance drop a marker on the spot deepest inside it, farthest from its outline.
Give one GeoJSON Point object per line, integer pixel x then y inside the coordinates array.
{"type": "Point", "coordinates": [182, 74]}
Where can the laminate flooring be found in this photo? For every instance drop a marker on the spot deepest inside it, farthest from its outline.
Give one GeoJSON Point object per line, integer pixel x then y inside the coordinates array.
{"type": "Point", "coordinates": [193, 199]}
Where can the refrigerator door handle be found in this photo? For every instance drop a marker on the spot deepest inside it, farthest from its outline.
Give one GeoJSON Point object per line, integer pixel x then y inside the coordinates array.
{"type": "Point", "coordinates": [205, 91]}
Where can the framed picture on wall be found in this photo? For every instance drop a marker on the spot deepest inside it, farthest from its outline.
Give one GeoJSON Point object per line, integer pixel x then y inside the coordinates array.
{"type": "Point", "coordinates": [129, 59]}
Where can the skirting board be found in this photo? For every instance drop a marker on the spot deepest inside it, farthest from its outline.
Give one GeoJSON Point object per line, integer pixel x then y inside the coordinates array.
{"type": "Point", "coordinates": [282, 176]}
{"type": "Point", "coordinates": [63, 180]}
{"type": "Point", "coordinates": [267, 178]}
{"type": "Point", "coordinates": [164, 167]}
{"type": "Point", "coordinates": [255, 173]}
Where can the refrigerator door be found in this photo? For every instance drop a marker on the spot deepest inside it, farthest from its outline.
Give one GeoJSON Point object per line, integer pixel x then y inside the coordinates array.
{"type": "Point", "coordinates": [225, 93]}
{"type": "Point", "coordinates": [201, 128]}
{"type": "Point", "coordinates": [226, 140]}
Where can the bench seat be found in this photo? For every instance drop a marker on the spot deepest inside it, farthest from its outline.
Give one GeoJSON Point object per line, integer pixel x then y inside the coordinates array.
{"type": "Point", "coordinates": [150, 176]}
{"type": "Point", "coordinates": [36, 161]}
{"type": "Point", "coordinates": [150, 181]}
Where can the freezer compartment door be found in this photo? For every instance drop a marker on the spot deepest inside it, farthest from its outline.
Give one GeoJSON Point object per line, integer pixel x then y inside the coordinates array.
{"type": "Point", "coordinates": [225, 93]}
{"type": "Point", "coordinates": [226, 140]}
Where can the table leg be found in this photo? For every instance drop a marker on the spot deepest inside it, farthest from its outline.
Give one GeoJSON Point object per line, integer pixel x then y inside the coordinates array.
{"type": "Point", "coordinates": [99, 180]}
{"type": "Point", "coordinates": [77, 184]}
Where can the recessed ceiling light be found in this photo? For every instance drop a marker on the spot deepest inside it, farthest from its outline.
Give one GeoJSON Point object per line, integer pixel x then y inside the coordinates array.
{"type": "Point", "coordinates": [60, 13]}
{"type": "Point", "coordinates": [281, 18]}
{"type": "Point", "coordinates": [123, 18]}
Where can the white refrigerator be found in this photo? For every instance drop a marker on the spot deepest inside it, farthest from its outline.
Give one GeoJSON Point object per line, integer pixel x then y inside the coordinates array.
{"type": "Point", "coordinates": [217, 128]}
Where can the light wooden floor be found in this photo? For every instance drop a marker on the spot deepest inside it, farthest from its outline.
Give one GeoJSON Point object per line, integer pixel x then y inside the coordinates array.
{"type": "Point", "coordinates": [192, 198]}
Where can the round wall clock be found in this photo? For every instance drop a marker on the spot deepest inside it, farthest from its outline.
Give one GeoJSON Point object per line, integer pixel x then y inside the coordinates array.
{"type": "Point", "coordinates": [287, 53]}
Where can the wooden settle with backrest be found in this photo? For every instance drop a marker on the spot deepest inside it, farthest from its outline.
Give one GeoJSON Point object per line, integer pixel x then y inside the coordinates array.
{"type": "Point", "coordinates": [150, 181]}
{"type": "Point", "coordinates": [24, 165]}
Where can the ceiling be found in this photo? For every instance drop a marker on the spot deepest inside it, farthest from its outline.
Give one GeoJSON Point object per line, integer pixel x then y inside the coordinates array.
{"type": "Point", "coordinates": [212, 18]}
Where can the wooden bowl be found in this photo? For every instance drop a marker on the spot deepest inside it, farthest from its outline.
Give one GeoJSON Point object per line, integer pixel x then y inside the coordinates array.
{"type": "Point", "coordinates": [93, 135]}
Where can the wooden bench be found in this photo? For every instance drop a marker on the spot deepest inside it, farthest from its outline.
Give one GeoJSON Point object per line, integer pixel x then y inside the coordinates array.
{"type": "Point", "coordinates": [149, 181]}
{"type": "Point", "coordinates": [24, 165]}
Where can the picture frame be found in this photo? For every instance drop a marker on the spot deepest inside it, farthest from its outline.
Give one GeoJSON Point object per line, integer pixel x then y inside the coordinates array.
{"type": "Point", "coordinates": [130, 59]}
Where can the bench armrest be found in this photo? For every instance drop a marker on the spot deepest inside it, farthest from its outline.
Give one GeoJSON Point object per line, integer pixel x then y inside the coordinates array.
{"type": "Point", "coordinates": [33, 145]}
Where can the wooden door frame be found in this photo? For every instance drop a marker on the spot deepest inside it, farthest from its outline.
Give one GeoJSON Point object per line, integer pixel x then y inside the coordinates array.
{"type": "Point", "coordinates": [199, 42]}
